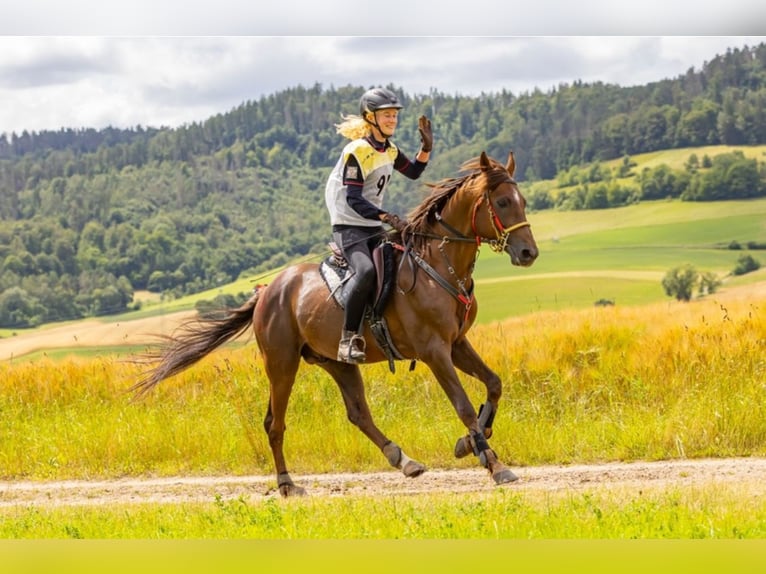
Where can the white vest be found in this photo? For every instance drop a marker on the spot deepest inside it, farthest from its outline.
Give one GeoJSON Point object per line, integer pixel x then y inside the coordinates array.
{"type": "Point", "coordinates": [377, 168]}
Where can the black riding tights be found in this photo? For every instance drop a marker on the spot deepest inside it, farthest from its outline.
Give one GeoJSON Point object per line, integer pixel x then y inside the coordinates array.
{"type": "Point", "coordinates": [357, 244]}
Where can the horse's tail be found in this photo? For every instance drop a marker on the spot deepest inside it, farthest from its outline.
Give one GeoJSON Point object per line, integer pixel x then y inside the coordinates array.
{"type": "Point", "coordinates": [193, 340]}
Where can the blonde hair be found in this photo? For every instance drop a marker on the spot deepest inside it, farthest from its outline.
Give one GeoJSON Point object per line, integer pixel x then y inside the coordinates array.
{"type": "Point", "coordinates": [353, 127]}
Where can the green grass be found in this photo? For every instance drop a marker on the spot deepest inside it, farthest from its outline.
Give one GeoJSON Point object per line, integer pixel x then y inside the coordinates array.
{"type": "Point", "coordinates": [619, 383]}
{"type": "Point", "coordinates": [621, 255]}
{"type": "Point", "coordinates": [706, 512]}
{"type": "Point", "coordinates": [551, 224]}
{"type": "Point", "coordinates": [529, 295]}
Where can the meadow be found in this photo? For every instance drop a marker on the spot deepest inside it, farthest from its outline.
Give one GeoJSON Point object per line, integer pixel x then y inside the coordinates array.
{"type": "Point", "coordinates": [620, 255]}
{"type": "Point", "coordinates": [650, 382]}
{"type": "Point", "coordinates": [648, 378]}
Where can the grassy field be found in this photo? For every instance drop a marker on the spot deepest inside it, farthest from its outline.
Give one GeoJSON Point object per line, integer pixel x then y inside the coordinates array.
{"type": "Point", "coordinates": [619, 254]}
{"type": "Point", "coordinates": [710, 513]}
{"type": "Point", "coordinates": [622, 383]}
{"type": "Point", "coordinates": [647, 382]}
{"type": "Point", "coordinates": [646, 379]}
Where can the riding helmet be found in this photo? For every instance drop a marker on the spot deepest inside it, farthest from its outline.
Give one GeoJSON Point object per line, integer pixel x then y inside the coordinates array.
{"type": "Point", "coordinates": [378, 99]}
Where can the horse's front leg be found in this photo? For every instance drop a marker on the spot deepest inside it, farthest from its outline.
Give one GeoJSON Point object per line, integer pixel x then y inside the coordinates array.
{"type": "Point", "coordinates": [476, 440]}
{"type": "Point", "coordinates": [465, 358]}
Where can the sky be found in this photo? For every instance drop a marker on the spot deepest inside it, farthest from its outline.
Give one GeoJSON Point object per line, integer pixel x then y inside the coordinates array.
{"type": "Point", "coordinates": [87, 64]}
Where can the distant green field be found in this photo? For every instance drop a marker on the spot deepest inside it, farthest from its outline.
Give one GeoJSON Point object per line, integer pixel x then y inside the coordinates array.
{"type": "Point", "coordinates": [619, 254]}
{"type": "Point", "coordinates": [677, 158]}
{"type": "Point", "coordinates": [499, 300]}
{"type": "Point", "coordinates": [720, 215]}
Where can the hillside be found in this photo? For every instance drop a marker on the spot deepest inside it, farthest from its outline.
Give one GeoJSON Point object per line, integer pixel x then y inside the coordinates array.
{"type": "Point", "coordinates": [103, 337]}
{"type": "Point", "coordinates": [91, 217]}
{"type": "Point", "coordinates": [619, 255]}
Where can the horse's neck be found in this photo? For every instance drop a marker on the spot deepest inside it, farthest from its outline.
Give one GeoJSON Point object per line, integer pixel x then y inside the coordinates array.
{"type": "Point", "coordinates": [454, 254]}
{"type": "Point", "coordinates": [457, 255]}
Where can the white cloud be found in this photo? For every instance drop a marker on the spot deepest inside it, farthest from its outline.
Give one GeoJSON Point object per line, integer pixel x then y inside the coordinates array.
{"type": "Point", "coordinates": [77, 81]}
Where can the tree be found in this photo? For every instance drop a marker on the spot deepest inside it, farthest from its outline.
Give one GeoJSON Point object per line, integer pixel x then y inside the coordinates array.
{"type": "Point", "coordinates": [19, 309]}
{"type": "Point", "coordinates": [746, 264]}
{"type": "Point", "coordinates": [698, 126]}
{"type": "Point", "coordinates": [679, 282]}
{"type": "Point", "coordinates": [709, 283]}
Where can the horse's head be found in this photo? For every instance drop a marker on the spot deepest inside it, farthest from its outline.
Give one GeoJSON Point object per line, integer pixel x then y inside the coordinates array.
{"type": "Point", "coordinates": [483, 206]}
{"type": "Point", "coordinates": [499, 215]}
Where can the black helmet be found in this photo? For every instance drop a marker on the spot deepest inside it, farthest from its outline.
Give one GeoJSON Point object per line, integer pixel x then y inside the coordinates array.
{"type": "Point", "coordinates": [378, 99]}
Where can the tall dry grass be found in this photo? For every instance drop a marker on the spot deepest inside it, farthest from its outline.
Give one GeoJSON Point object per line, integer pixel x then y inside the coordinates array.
{"type": "Point", "coordinates": [660, 381]}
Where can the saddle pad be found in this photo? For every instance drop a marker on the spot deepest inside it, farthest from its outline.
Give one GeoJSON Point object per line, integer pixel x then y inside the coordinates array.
{"type": "Point", "coordinates": [333, 276]}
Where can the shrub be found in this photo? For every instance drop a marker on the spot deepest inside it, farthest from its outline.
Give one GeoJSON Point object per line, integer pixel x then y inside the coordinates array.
{"type": "Point", "coordinates": [679, 282]}
{"type": "Point", "coordinates": [746, 264]}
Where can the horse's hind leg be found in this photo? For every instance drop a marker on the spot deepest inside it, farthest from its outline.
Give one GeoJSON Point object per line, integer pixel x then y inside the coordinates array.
{"type": "Point", "coordinates": [351, 386]}
{"type": "Point", "coordinates": [281, 371]}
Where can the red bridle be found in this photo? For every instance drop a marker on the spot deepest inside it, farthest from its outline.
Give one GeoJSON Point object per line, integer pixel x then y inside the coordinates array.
{"type": "Point", "coordinates": [501, 232]}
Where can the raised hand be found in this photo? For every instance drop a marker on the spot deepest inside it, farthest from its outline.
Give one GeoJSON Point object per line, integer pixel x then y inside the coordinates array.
{"type": "Point", "coordinates": [426, 135]}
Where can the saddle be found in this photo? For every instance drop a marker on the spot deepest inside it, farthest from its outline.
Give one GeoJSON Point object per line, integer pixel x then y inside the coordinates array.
{"type": "Point", "coordinates": [335, 271]}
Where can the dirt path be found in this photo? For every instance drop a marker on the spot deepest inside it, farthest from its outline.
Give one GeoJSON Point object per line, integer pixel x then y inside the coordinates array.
{"type": "Point", "coordinates": [746, 474]}
{"type": "Point", "coordinates": [91, 333]}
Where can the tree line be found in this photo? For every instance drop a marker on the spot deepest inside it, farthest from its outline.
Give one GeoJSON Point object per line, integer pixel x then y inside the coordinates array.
{"type": "Point", "coordinates": [90, 216]}
{"type": "Point", "coordinates": [728, 175]}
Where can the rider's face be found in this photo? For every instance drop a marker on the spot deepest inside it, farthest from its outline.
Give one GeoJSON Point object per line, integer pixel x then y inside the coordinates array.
{"type": "Point", "coordinates": [386, 121]}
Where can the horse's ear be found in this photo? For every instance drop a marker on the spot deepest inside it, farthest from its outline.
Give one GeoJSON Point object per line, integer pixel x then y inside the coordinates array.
{"type": "Point", "coordinates": [511, 165]}
{"type": "Point", "coordinates": [484, 161]}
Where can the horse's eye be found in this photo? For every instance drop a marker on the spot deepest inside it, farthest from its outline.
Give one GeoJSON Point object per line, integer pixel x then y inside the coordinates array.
{"type": "Point", "coordinates": [503, 202]}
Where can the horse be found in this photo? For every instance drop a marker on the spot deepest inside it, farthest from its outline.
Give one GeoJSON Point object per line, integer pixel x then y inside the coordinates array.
{"type": "Point", "coordinates": [428, 316]}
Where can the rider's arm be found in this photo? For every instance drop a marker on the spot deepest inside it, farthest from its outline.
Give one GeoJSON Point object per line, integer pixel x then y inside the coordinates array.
{"type": "Point", "coordinates": [411, 169]}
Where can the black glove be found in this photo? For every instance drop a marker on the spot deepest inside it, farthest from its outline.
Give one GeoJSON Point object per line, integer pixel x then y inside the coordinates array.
{"type": "Point", "coordinates": [395, 221]}
{"type": "Point", "coordinates": [426, 136]}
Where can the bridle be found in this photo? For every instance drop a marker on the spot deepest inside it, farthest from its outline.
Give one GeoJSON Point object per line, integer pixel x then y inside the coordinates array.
{"type": "Point", "coordinates": [502, 233]}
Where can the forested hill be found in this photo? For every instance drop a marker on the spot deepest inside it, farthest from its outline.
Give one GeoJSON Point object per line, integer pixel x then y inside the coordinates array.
{"type": "Point", "coordinates": [90, 215]}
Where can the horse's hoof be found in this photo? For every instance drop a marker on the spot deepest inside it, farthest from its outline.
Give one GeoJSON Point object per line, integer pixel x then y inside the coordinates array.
{"type": "Point", "coordinates": [288, 490]}
{"type": "Point", "coordinates": [463, 447]}
{"type": "Point", "coordinates": [413, 469]}
{"type": "Point", "coordinates": [504, 476]}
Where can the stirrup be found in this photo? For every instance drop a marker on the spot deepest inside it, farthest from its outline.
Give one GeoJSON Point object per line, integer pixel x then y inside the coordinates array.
{"type": "Point", "coordinates": [352, 350]}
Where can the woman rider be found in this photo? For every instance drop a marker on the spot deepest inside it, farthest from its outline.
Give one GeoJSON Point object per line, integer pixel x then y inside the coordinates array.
{"type": "Point", "coordinates": [354, 196]}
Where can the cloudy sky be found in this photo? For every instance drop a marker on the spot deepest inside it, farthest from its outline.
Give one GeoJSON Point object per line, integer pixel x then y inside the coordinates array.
{"type": "Point", "coordinates": [168, 63]}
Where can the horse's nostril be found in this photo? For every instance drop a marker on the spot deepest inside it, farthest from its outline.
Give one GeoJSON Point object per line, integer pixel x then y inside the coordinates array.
{"type": "Point", "coordinates": [529, 254]}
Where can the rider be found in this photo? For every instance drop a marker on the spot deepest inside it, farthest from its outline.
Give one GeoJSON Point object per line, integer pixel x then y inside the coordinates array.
{"type": "Point", "coordinates": [354, 196]}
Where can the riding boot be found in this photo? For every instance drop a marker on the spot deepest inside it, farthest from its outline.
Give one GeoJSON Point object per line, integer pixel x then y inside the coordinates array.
{"type": "Point", "coordinates": [351, 348]}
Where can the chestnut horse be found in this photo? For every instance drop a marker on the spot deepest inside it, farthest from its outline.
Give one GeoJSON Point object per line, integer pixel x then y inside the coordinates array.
{"type": "Point", "coordinates": [428, 316]}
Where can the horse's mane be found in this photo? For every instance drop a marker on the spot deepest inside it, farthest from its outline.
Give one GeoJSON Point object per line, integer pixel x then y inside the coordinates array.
{"type": "Point", "coordinates": [423, 217]}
